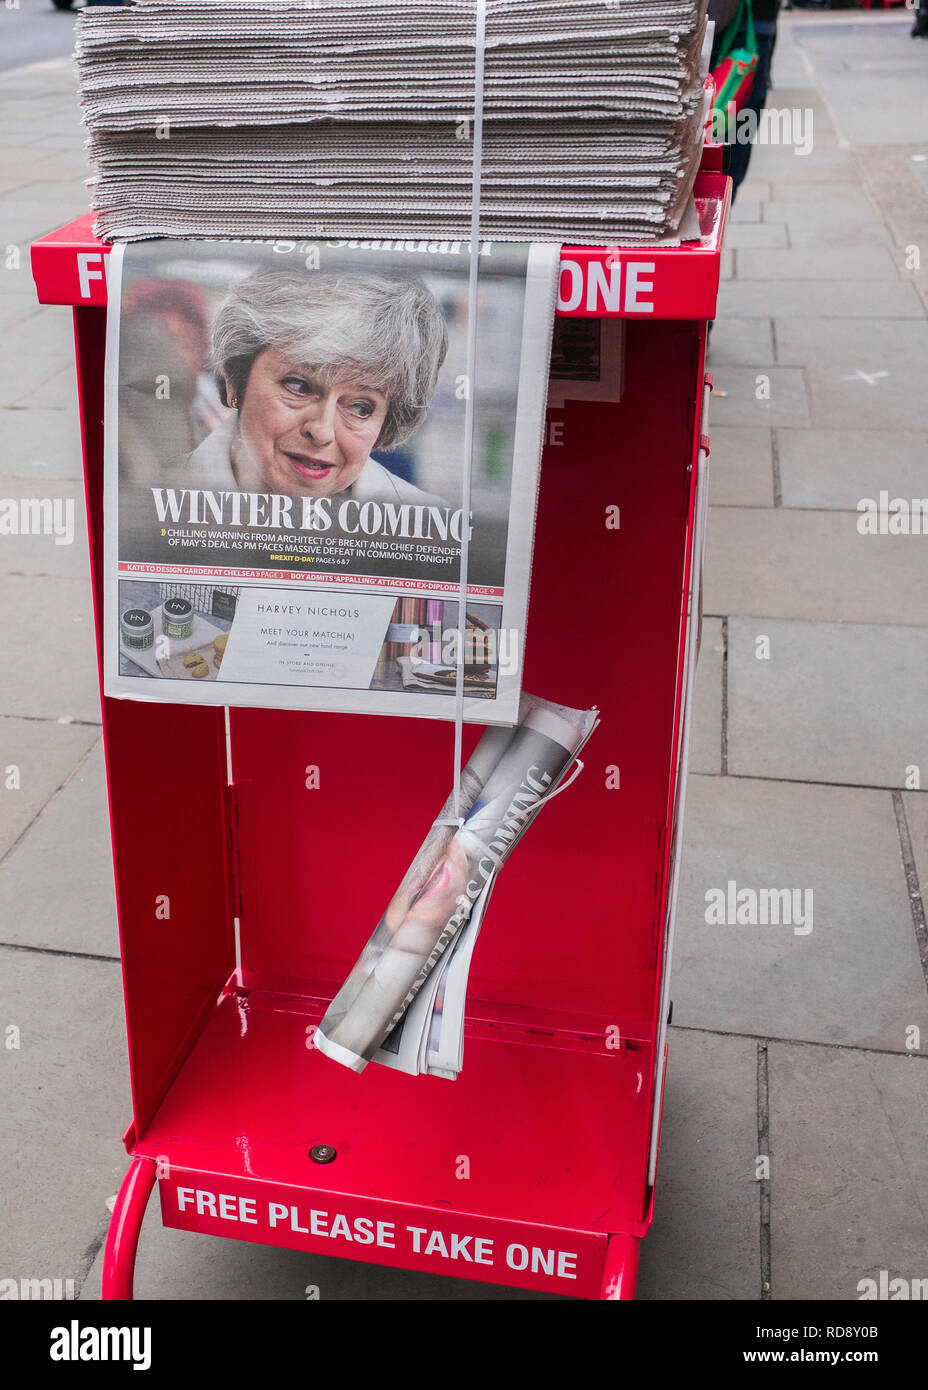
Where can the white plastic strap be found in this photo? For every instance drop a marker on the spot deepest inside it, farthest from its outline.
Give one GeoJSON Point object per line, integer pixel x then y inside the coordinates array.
{"type": "Point", "coordinates": [458, 821]}
{"type": "Point", "coordinates": [480, 48]}
{"type": "Point", "coordinates": [564, 785]}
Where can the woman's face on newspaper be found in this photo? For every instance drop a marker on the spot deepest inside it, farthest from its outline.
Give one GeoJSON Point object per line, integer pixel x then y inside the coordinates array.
{"type": "Point", "coordinates": [308, 435]}
{"type": "Point", "coordinates": [416, 918]}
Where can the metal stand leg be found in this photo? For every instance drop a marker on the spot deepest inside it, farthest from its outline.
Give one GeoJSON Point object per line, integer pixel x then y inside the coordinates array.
{"type": "Point", "coordinates": [620, 1270]}
{"type": "Point", "coordinates": [122, 1239]}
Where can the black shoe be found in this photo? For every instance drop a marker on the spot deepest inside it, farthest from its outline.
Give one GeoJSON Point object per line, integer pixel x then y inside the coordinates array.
{"type": "Point", "coordinates": [920, 27]}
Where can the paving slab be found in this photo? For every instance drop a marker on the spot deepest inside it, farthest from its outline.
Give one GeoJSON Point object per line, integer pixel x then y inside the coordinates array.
{"type": "Point", "coordinates": [56, 506]}
{"type": "Point", "coordinates": [741, 342]}
{"type": "Point", "coordinates": [33, 120]}
{"type": "Point", "coordinates": [849, 1169]}
{"type": "Point", "coordinates": [755, 188]}
{"type": "Point", "coordinates": [42, 191]}
{"type": "Point", "coordinates": [41, 216]}
{"type": "Point", "coordinates": [792, 134]}
{"type": "Point", "coordinates": [49, 669]}
{"type": "Point", "coordinates": [855, 977]}
{"type": "Point", "coordinates": [896, 179]}
{"type": "Point", "coordinates": [796, 91]}
{"type": "Point", "coordinates": [916, 815]}
{"type": "Point", "coordinates": [48, 332]}
{"type": "Point", "coordinates": [858, 96]}
{"type": "Point", "coordinates": [815, 225]}
{"type": "Point", "coordinates": [65, 1099]}
{"type": "Point", "coordinates": [704, 1243]}
{"type": "Point", "coordinates": [63, 168]}
{"type": "Point", "coordinates": [783, 168]}
{"type": "Point", "coordinates": [869, 372]}
{"type": "Point", "coordinates": [706, 715]}
{"type": "Point", "coordinates": [788, 70]}
{"type": "Point", "coordinates": [740, 466]}
{"type": "Point", "coordinates": [36, 757]}
{"type": "Point", "coordinates": [56, 392]}
{"type": "Point", "coordinates": [820, 299]}
{"type": "Point", "coordinates": [22, 376]}
{"type": "Point", "coordinates": [60, 140]}
{"type": "Point", "coordinates": [836, 193]}
{"type": "Point", "coordinates": [31, 158]}
{"type": "Point", "coordinates": [740, 235]}
{"type": "Point", "coordinates": [836, 702]}
{"type": "Point", "coordinates": [42, 443]}
{"type": "Point", "coordinates": [848, 263]}
{"type": "Point", "coordinates": [836, 468]}
{"type": "Point", "coordinates": [744, 211]}
{"type": "Point", "coordinates": [15, 307]}
{"type": "Point", "coordinates": [918, 279]}
{"type": "Point", "coordinates": [757, 396]}
{"type": "Point", "coordinates": [788, 563]}
{"type": "Point", "coordinates": [20, 235]}
{"type": "Point", "coordinates": [56, 886]}
{"type": "Point", "coordinates": [797, 131]}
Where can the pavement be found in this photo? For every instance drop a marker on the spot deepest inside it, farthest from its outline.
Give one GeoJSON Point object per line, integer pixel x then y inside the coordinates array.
{"type": "Point", "coordinates": [793, 1159]}
{"type": "Point", "coordinates": [32, 31]}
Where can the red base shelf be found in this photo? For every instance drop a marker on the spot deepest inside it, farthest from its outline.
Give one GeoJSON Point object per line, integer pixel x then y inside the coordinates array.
{"type": "Point", "coordinates": [550, 1137]}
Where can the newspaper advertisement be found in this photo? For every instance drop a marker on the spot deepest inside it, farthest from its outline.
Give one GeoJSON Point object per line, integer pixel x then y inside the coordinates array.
{"type": "Point", "coordinates": [284, 485]}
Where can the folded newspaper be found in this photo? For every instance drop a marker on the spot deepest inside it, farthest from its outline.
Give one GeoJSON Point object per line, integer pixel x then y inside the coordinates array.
{"type": "Point", "coordinates": [355, 118]}
{"type": "Point", "coordinates": [403, 1003]}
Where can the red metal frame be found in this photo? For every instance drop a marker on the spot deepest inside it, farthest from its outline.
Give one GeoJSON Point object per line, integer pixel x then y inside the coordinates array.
{"type": "Point", "coordinates": [69, 265]}
{"type": "Point", "coordinates": [554, 1122]}
{"type": "Point", "coordinates": [122, 1238]}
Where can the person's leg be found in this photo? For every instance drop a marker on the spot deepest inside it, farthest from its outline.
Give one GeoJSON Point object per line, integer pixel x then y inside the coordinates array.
{"type": "Point", "coordinates": [741, 153]}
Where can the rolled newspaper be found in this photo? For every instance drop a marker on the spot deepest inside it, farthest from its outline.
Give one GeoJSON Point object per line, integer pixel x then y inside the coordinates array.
{"type": "Point", "coordinates": [504, 785]}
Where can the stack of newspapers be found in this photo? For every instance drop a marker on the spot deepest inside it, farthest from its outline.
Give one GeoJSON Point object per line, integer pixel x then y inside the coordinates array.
{"type": "Point", "coordinates": [345, 118]}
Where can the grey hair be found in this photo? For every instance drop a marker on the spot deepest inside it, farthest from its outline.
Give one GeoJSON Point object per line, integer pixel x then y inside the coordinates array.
{"type": "Point", "coordinates": [389, 331]}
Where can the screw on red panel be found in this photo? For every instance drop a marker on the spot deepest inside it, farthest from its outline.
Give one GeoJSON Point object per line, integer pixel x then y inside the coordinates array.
{"type": "Point", "coordinates": [322, 1153]}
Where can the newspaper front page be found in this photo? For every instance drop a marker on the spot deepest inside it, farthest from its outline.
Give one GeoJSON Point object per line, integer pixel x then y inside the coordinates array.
{"type": "Point", "coordinates": [285, 472]}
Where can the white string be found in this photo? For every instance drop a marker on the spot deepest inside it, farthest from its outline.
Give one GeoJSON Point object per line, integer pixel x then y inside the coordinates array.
{"type": "Point", "coordinates": [458, 821]}
{"type": "Point", "coordinates": [480, 45]}
{"type": "Point", "coordinates": [564, 785]}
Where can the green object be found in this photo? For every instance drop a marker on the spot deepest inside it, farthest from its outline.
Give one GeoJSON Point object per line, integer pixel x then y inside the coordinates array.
{"type": "Point", "coordinates": [494, 453]}
{"type": "Point", "coordinates": [730, 33]}
{"type": "Point", "coordinates": [734, 71]}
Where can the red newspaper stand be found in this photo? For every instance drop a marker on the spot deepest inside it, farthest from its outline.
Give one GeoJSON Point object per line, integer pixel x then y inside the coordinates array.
{"type": "Point", "coordinates": [535, 1168]}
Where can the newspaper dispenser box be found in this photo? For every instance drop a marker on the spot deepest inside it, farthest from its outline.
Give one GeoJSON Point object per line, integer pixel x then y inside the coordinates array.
{"type": "Point", "coordinates": [536, 1168]}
